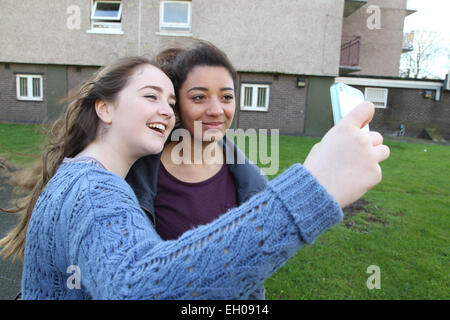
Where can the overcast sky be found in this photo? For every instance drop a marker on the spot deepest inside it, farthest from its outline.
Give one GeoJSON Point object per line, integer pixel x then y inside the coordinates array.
{"type": "Point", "coordinates": [432, 15]}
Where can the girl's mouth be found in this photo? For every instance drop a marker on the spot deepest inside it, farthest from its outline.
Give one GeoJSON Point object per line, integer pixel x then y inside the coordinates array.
{"type": "Point", "coordinates": [157, 127]}
{"type": "Point", "coordinates": [213, 125]}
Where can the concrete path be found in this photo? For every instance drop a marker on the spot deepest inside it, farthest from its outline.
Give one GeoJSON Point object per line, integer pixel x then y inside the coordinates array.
{"type": "Point", "coordinates": [10, 273]}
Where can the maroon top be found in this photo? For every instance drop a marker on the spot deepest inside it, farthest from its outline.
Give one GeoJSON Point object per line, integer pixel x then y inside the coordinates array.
{"type": "Point", "coordinates": [180, 206]}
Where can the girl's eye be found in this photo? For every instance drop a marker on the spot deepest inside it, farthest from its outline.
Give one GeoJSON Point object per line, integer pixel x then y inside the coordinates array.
{"type": "Point", "coordinates": [198, 98]}
{"type": "Point", "coordinates": [228, 97]}
{"type": "Point", "coordinates": [151, 96]}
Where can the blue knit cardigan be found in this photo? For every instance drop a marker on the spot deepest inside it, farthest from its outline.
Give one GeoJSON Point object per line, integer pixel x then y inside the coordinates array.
{"type": "Point", "coordinates": [88, 238]}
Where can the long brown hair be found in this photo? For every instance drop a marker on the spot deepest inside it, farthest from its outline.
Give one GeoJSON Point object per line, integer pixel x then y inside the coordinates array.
{"type": "Point", "coordinates": [68, 136]}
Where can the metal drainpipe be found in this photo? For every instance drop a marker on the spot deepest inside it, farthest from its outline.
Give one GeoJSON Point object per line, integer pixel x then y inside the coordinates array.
{"type": "Point", "coordinates": [139, 28]}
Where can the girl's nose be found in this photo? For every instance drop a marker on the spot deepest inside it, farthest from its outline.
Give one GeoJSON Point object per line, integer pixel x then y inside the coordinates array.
{"type": "Point", "coordinates": [166, 110]}
{"type": "Point", "coordinates": [214, 108]}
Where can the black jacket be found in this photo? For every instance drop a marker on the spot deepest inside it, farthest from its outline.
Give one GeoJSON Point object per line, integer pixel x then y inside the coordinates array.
{"type": "Point", "coordinates": [248, 178]}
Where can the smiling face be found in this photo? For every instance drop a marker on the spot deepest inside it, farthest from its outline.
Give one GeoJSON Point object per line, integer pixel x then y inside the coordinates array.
{"type": "Point", "coordinates": [207, 96]}
{"type": "Point", "coordinates": [142, 114]}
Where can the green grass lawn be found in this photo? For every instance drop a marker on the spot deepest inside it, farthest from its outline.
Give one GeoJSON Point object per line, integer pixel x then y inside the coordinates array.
{"type": "Point", "coordinates": [402, 226]}
{"type": "Point", "coordinates": [20, 144]}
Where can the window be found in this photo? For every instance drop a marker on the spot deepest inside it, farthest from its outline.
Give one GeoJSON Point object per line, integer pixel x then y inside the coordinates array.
{"type": "Point", "coordinates": [29, 87]}
{"type": "Point", "coordinates": [255, 97]}
{"type": "Point", "coordinates": [175, 16]}
{"type": "Point", "coordinates": [107, 10]}
{"type": "Point", "coordinates": [106, 17]}
{"type": "Point", "coordinates": [378, 96]}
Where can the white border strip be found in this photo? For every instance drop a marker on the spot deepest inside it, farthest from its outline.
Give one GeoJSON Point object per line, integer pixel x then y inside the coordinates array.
{"type": "Point", "coordinates": [390, 83]}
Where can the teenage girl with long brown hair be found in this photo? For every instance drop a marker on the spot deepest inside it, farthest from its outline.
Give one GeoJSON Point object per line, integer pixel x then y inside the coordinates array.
{"type": "Point", "coordinates": [83, 217]}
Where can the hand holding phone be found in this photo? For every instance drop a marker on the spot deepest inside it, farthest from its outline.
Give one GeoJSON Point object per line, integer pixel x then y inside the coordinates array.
{"type": "Point", "coordinates": [346, 160]}
{"type": "Point", "coordinates": [344, 99]}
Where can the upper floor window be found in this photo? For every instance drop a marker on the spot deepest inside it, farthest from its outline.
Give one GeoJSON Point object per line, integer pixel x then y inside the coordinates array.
{"type": "Point", "coordinates": [106, 17]}
{"type": "Point", "coordinates": [107, 10]}
{"type": "Point", "coordinates": [254, 97]}
{"type": "Point", "coordinates": [175, 17]}
{"type": "Point", "coordinates": [378, 96]}
{"type": "Point", "coordinates": [29, 87]}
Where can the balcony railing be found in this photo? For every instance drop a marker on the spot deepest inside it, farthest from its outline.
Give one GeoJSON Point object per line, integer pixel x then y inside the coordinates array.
{"type": "Point", "coordinates": [350, 51]}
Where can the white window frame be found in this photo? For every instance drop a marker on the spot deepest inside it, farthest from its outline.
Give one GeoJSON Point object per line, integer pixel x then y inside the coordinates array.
{"type": "Point", "coordinates": [389, 83]}
{"type": "Point", "coordinates": [29, 96]}
{"type": "Point", "coordinates": [94, 9]}
{"type": "Point", "coordinates": [376, 102]}
{"type": "Point", "coordinates": [254, 87]}
{"type": "Point", "coordinates": [170, 28]}
{"type": "Point", "coordinates": [106, 25]}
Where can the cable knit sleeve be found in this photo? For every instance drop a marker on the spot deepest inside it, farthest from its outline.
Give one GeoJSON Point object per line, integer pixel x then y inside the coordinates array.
{"type": "Point", "coordinates": [120, 255]}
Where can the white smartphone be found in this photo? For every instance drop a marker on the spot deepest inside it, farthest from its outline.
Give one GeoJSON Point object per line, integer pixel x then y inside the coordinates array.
{"type": "Point", "coordinates": [344, 99]}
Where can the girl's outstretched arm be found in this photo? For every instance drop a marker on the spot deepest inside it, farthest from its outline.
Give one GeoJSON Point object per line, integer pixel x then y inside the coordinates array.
{"type": "Point", "coordinates": [120, 256]}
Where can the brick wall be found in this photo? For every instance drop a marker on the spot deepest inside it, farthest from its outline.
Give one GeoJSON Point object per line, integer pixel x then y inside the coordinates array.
{"type": "Point", "coordinates": [410, 108]}
{"type": "Point", "coordinates": [287, 104]}
{"type": "Point", "coordinates": [13, 110]}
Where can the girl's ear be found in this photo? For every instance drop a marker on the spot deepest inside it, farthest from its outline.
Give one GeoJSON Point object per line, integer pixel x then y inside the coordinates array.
{"type": "Point", "coordinates": [103, 110]}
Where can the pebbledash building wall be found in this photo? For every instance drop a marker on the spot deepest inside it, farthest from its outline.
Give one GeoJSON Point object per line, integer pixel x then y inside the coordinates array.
{"type": "Point", "coordinates": [287, 54]}
{"type": "Point", "coordinates": [270, 45]}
